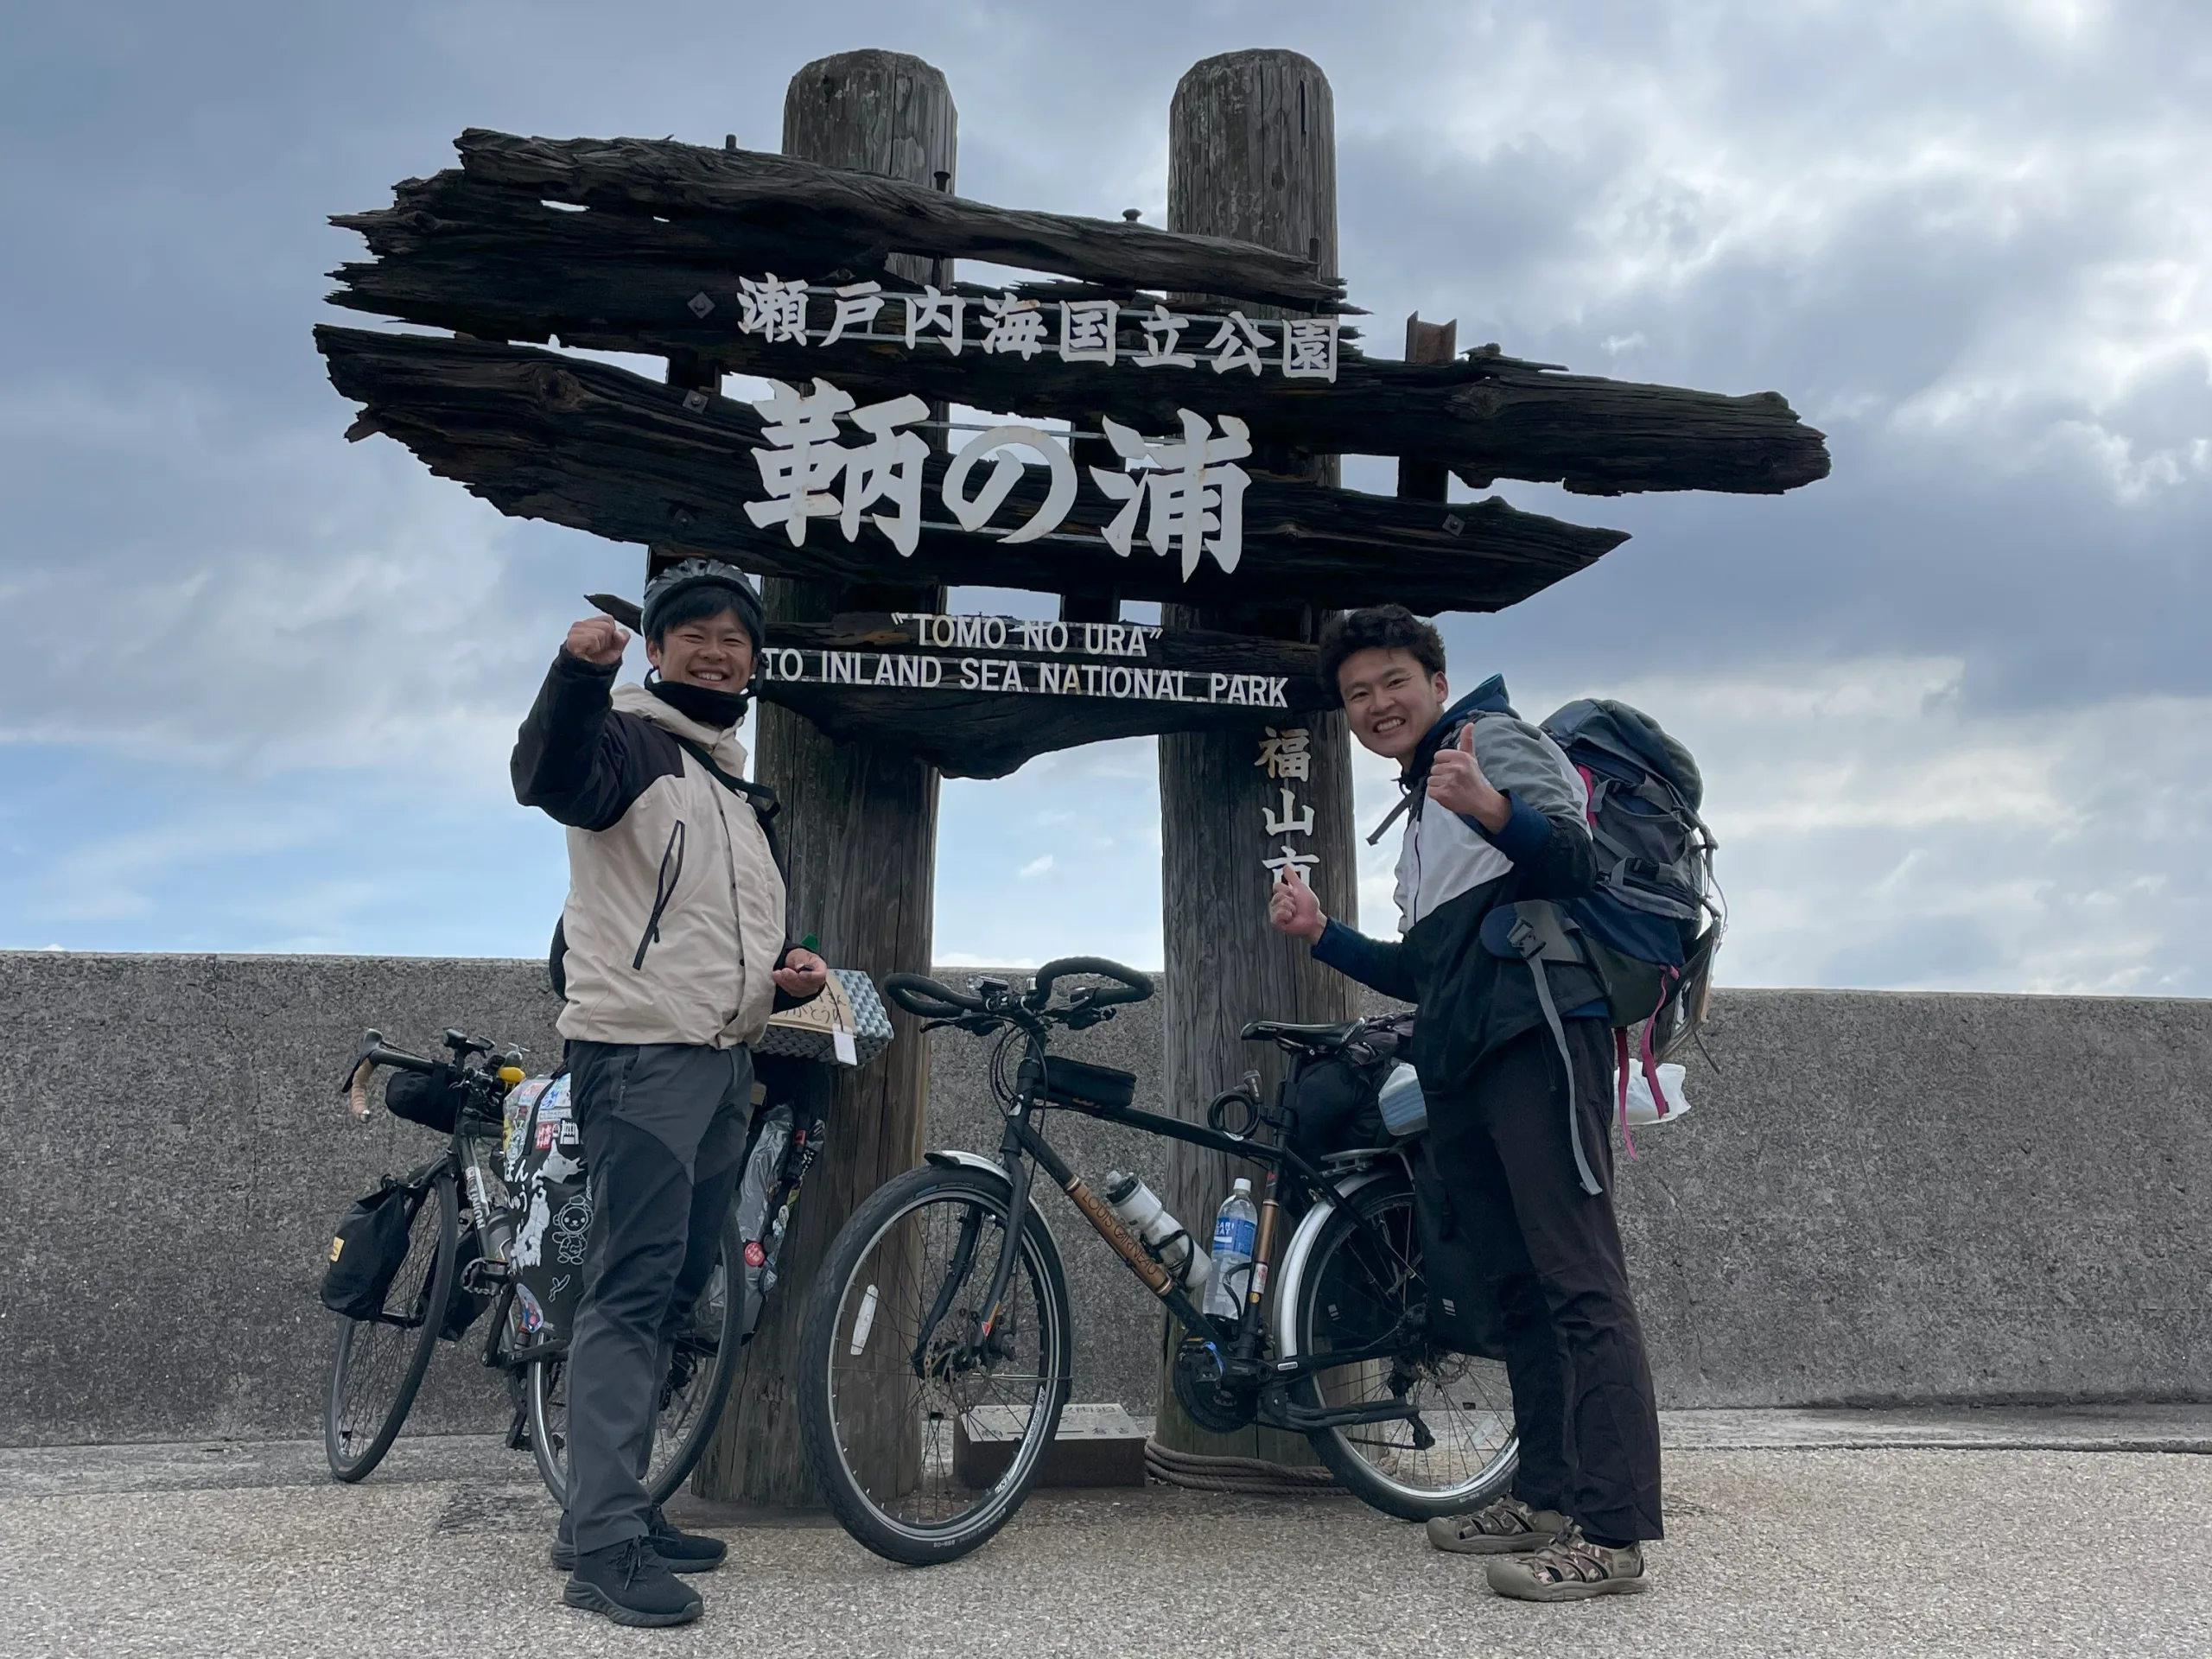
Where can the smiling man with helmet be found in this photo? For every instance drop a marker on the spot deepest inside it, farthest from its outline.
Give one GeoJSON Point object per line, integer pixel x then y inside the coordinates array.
{"type": "Point", "coordinates": [671, 954]}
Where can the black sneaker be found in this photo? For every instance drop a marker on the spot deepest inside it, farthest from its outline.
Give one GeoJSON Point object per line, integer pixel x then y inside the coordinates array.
{"type": "Point", "coordinates": [679, 1551]}
{"type": "Point", "coordinates": [626, 1583]}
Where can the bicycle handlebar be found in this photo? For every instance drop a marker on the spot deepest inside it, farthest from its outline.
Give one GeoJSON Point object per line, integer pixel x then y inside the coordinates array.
{"type": "Point", "coordinates": [927, 999]}
{"type": "Point", "coordinates": [931, 998]}
{"type": "Point", "coordinates": [1133, 987]}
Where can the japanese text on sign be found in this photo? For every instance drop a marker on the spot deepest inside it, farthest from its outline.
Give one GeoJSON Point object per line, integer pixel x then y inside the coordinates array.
{"type": "Point", "coordinates": [1188, 490]}
{"type": "Point", "coordinates": [1289, 757]}
{"type": "Point", "coordinates": [1104, 332]}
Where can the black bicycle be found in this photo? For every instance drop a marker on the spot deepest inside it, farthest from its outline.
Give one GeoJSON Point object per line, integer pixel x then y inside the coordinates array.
{"type": "Point", "coordinates": [461, 1242]}
{"type": "Point", "coordinates": [937, 1346]}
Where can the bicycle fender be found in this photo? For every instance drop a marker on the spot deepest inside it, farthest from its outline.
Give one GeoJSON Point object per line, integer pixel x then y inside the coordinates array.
{"type": "Point", "coordinates": [1292, 1274]}
{"type": "Point", "coordinates": [977, 1160]}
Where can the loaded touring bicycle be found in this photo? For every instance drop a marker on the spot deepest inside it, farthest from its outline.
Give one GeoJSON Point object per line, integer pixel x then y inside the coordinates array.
{"type": "Point", "coordinates": [941, 1316]}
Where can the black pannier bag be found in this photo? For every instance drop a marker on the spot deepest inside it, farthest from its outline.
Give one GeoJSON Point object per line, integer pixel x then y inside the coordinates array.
{"type": "Point", "coordinates": [431, 1098]}
{"type": "Point", "coordinates": [1464, 1315]}
{"type": "Point", "coordinates": [368, 1249]}
{"type": "Point", "coordinates": [1335, 1094]}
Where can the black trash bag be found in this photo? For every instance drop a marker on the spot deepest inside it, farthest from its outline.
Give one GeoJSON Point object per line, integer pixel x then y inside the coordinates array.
{"type": "Point", "coordinates": [368, 1249]}
{"type": "Point", "coordinates": [1464, 1314]}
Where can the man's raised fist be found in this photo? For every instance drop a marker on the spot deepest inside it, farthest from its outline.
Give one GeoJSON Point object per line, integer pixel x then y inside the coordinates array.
{"type": "Point", "coordinates": [597, 639]}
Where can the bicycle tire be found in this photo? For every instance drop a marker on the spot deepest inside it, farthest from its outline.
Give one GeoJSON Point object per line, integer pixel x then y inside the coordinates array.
{"type": "Point", "coordinates": [707, 1391]}
{"type": "Point", "coordinates": [364, 1385]}
{"type": "Point", "coordinates": [1476, 1454]}
{"type": "Point", "coordinates": [985, 1194]}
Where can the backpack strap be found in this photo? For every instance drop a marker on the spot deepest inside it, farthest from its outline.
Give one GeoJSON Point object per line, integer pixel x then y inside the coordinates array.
{"type": "Point", "coordinates": [763, 800]}
{"type": "Point", "coordinates": [1534, 930]}
{"type": "Point", "coordinates": [1620, 1084]}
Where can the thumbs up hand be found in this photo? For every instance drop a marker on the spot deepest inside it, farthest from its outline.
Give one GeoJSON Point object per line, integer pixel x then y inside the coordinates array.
{"type": "Point", "coordinates": [1456, 783]}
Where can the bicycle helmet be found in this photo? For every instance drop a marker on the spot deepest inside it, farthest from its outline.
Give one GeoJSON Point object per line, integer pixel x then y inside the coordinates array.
{"type": "Point", "coordinates": [691, 574]}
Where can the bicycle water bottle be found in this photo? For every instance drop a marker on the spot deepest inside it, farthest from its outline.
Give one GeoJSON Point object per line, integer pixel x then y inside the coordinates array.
{"type": "Point", "coordinates": [1234, 1229]}
{"type": "Point", "coordinates": [1141, 1212]}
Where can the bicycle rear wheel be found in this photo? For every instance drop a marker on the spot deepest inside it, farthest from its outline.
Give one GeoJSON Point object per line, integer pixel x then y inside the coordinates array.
{"type": "Point", "coordinates": [1353, 1289]}
{"type": "Point", "coordinates": [923, 1447]}
{"type": "Point", "coordinates": [702, 1366]}
{"type": "Point", "coordinates": [378, 1364]}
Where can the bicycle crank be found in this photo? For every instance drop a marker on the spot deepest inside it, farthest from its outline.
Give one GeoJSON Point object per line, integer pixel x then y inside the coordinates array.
{"type": "Point", "coordinates": [1200, 1391]}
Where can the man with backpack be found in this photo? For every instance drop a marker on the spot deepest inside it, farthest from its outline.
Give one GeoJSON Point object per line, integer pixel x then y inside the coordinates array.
{"type": "Point", "coordinates": [670, 956]}
{"type": "Point", "coordinates": [1511, 1045]}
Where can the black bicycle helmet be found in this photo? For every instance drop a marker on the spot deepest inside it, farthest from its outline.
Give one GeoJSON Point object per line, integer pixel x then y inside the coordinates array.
{"type": "Point", "coordinates": [682, 578]}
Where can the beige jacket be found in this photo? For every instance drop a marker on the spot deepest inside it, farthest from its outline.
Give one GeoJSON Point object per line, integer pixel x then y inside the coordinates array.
{"type": "Point", "coordinates": [675, 916]}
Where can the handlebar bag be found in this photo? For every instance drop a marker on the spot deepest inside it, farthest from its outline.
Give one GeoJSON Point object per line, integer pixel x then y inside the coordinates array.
{"type": "Point", "coordinates": [430, 1099]}
{"type": "Point", "coordinates": [368, 1249]}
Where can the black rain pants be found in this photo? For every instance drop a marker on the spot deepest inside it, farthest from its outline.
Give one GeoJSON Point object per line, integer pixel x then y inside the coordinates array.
{"type": "Point", "coordinates": [664, 1127]}
{"type": "Point", "coordinates": [1582, 1400]}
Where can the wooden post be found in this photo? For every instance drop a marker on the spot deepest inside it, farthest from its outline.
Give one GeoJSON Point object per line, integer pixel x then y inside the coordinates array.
{"type": "Point", "coordinates": [1426, 342]}
{"type": "Point", "coordinates": [1251, 154]}
{"type": "Point", "coordinates": [850, 810]}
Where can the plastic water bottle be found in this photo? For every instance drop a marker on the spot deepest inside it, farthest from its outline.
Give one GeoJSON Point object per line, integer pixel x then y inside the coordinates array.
{"type": "Point", "coordinates": [1141, 1212]}
{"type": "Point", "coordinates": [1234, 1229]}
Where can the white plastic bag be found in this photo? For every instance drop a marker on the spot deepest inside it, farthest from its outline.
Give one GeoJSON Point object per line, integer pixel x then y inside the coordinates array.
{"type": "Point", "coordinates": [1642, 1108]}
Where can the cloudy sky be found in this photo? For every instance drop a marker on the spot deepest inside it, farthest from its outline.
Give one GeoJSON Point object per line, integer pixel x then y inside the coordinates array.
{"type": "Point", "coordinates": [1953, 702]}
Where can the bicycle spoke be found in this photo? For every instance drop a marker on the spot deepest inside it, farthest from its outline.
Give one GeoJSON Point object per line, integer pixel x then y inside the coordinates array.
{"type": "Point", "coordinates": [1462, 1401]}
{"type": "Point", "coordinates": [902, 1374]}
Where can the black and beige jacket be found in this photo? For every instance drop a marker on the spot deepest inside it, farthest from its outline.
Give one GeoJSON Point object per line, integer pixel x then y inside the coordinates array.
{"type": "Point", "coordinates": [675, 916]}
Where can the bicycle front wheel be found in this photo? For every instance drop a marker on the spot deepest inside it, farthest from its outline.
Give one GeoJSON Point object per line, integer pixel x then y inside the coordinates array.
{"type": "Point", "coordinates": [924, 1430]}
{"type": "Point", "coordinates": [703, 1363]}
{"type": "Point", "coordinates": [379, 1363]}
{"type": "Point", "coordinates": [1355, 1288]}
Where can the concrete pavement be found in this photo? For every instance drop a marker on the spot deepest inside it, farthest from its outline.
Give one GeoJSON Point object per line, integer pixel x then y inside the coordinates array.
{"type": "Point", "coordinates": [1825, 1534]}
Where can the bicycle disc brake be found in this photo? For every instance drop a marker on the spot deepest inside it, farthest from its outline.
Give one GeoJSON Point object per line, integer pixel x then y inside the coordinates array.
{"type": "Point", "coordinates": [1198, 1391]}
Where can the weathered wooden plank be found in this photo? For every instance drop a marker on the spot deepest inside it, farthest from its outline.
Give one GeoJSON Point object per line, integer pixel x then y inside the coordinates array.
{"type": "Point", "coordinates": [968, 732]}
{"type": "Point", "coordinates": [601, 449]}
{"type": "Point", "coordinates": [456, 254]}
{"type": "Point", "coordinates": [663, 176]}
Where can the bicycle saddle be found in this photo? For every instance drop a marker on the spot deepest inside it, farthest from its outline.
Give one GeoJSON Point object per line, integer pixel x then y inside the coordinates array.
{"type": "Point", "coordinates": [1275, 1031]}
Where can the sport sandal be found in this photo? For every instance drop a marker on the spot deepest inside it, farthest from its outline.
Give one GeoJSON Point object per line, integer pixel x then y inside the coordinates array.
{"type": "Point", "coordinates": [1505, 1528]}
{"type": "Point", "coordinates": [1569, 1568]}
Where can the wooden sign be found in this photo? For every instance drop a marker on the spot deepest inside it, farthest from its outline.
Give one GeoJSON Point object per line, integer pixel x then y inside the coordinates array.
{"type": "Point", "coordinates": [1181, 474]}
{"type": "Point", "coordinates": [978, 695]}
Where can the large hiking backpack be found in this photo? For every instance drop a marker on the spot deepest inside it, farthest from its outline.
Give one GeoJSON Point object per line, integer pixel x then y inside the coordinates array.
{"type": "Point", "coordinates": [1654, 922]}
{"type": "Point", "coordinates": [1651, 927]}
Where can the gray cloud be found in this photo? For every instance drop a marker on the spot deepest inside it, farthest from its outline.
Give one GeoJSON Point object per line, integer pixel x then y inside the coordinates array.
{"type": "Point", "coordinates": [1968, 241]}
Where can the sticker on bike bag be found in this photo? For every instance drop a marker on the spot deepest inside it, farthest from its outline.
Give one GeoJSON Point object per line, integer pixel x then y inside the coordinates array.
{"type": "Point", "coordinates": [865, 1322]}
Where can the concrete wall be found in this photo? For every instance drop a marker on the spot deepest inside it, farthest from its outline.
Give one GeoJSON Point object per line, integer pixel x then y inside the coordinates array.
{"type": "Point", "coordinates": [1877, 1199]}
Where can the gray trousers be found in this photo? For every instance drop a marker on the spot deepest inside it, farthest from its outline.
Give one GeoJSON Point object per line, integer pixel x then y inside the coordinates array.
{"type": "Point", "coordinates": [664, 1127]}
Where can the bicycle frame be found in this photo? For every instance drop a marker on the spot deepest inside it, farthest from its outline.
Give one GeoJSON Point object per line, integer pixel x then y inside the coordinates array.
{"type": "Point", "coordinates": [1023, 1149]}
